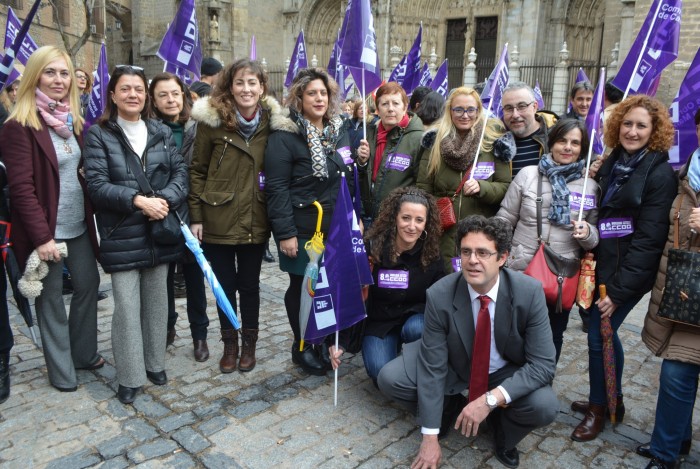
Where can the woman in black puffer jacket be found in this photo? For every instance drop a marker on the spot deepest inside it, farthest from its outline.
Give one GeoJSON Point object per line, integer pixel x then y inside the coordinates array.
{"type": "Point", "coordinates": [138, 264]}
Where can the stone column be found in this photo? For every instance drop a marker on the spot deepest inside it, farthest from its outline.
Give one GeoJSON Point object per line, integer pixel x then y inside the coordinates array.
{"type": "Point", "coordinates": [514, 66]}
{"type": "Point", "coordinates": [432, 62]}
{"type": "Point", "coordinates": [614, 56]}
{"type": "Point", "coordinates": [395, 54]}
{"type": "Point", "coordinates": [470, 69]}
{"type": "Point", "coordinates": [560, 90]}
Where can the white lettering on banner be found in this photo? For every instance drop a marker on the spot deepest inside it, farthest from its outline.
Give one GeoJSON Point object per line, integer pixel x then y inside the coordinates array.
{"type": "Point", "coordinates": [191, 30]}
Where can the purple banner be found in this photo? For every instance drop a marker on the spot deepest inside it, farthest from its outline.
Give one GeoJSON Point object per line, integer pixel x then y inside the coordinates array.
{"type": "Point", "coordinates": [683, 110]}
{"type": "Point", "coordinates": [98, 95]}
{"type": "Point", "coordinates": [594, 119]}
{"type": "Point", "coordinates": [413, 68]}
{"type": "Point", "coordinates": [395, 279]}
{"type": "Point", "coordinates": [181, 72]}
{"type": "Point", "coordinates": [425, 78]}
{"type": "Point", "coordinates": [615, 227]}
{"type": "Point", "coordinates": [261, 181]}
{"type": "Point", "coordinates": [575, 201]}
{"type": "Point", "coordinates": [12, 51]}
{"type": "Point", "coordinates": [13, 27]}
{"type": "Point", "coordinates": [456, 264]}
{"type": "Point", "coordinates": [399, 72]}
{"type": "Point", "coordinates": [497, 81]}
{"type": "Point", "coordinates": [346, 154]}
{"type": "Point", "coordinates": [298, 60]}
{"type": "Point", "coordinates": [181, 47]}
{"type": "Point", "coordinates": [398, 162]}
{"type": "Point", "coordinates": [440, 83]}
{"type": "Point", "coordinates": [655, 47]}
{"type": "Point", "coordinates": [538, 95]}
{"type": "Point", "coordinates": [484, 170]}
{"type": "Point", "coordinates": [253, 49]}
{"type": "Point", "coordinates": [359, 47]}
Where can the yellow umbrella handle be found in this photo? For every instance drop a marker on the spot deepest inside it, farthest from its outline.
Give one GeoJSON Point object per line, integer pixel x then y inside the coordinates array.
{"type": "Point", "coordinates": [320, 216]}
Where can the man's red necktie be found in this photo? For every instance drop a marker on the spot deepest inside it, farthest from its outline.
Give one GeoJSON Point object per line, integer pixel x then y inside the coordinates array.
{"type": "Point", "coordinates": [479, 380]}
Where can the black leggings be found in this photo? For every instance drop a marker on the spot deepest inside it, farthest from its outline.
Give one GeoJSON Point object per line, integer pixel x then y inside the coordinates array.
{"type": "Point", "coordinates": [292, 302]}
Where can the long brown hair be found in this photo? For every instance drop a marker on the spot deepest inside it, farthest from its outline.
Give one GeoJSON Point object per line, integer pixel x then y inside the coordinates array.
{"type": "Point", "coordinates": [222, 98]}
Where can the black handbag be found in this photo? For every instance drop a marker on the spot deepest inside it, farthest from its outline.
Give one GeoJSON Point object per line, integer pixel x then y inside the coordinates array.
{"type": "Point", "coordinates": [165, 231]}
{"type": "Point", "coordinates": [680, 301]}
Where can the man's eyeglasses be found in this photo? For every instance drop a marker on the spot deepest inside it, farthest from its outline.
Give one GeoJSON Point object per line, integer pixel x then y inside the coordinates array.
{"type": "Point", "coordinates": [481, 254]}
{"type": "Point", "coordinates": [460, 111]}
{"type": "Point", "coordinates": [132, 67]}
{"type": "Point", "coordinates": [508, 109]}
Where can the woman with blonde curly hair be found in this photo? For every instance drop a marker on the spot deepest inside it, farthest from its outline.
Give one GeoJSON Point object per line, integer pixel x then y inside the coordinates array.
{"type": "Point", "coordinates": [404, 250]}
{"type": "Point", "coordinates": [637, 186]}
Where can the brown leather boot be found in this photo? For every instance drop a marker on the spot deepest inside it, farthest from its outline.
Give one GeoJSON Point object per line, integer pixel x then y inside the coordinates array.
{"type": "Point", "coordinates": [249, 337]}
{"type": "Point", "coordinates": [591, 425]}
{"type": "Point", "coordinates": [229, 337]}
{"type": "Point", "coordinates": [582, 407]}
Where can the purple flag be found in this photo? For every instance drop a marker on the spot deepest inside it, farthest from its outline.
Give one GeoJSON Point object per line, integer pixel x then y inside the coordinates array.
{"type": "Point", "coordinates": [12, 51]}
{"type": "Point", "coordinates": [181, 47]}
{"type": "Point", "coordinates": [359, 47]}
{"type": "Point", "coordinates": [253, 49]}
{"type": "Point", "coordinates": [425, 78]}
{"type": "Point", "coordinates": [399, 72]}
{"type": "Point", "coordinates": [497, 81]}
{"type": "Point", "coordinates": [98, 95]}
{"type": "Point", "coordinates": [14, 74]}
{"type": "Point", "coordinates": [181, 72]}
{"type": "Point", "coordinates": [538, 95]}
{"type": "Point", "coordinates": [683, 111]}
{"type": "Point", "coordinates": [28, 44]}
{"type": "Point", "coordinates": [413, 68]}
{"type": "Point", "coordinates": [655, 47]}
{"type": "Point", "coordinates": [298, 60]}
{"type": "Point", "coordinates": [594, 119]}
{"type": "Point", "coordinates": [337, 302]}
{"type": "Point", "coordinates": [337, 71]}
{"type": "Point", "coordinates": [440, 83]}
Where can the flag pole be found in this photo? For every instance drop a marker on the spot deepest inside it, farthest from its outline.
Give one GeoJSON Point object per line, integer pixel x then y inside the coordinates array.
{"type": "Point", "coordinates": [644, 47]}
{"type": "Point", "coordinates": [364, 121]}
{"type": "Point", "coordinates": [585, 177]}
{"type": "Point", "coordinates": [485, 113]}
{"type": "Point", "coordinates": [335, 377]}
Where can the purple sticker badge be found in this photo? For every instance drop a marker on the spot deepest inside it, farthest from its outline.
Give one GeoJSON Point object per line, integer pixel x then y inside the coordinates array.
{"type": "Point", "coordinates": [261, 180]}
{"type": "Point", "coordinates": [398, 161]}
{"type": "Point", "coordinates": [615, 227]}
{"type": "Point", "coordinates": [346, 154]}
{"type": "Point", "coordinates": [484, 170]}
{"type": "Point", "coordinates": [456, 264]}
{"type": "Point", "coordinates": [393, 279]}
{"type": "Point", "coordinates": [575, 201]}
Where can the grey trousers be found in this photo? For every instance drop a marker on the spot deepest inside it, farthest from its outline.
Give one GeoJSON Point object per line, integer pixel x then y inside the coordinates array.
{"type": "Point", "coordinates": [139, 323]}
{"type": "Point", "coordinates": [69, 341]}
{"type": "Point", "coordinates": [398, 380]}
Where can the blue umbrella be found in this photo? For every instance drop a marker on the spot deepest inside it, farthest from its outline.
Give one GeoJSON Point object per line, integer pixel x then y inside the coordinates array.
{"type": "Point", "coordinates": [221, 298]}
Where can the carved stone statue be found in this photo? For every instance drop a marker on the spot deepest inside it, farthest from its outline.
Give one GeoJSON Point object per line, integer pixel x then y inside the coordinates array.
{"type": "Point", "coordinates": [213, 29]}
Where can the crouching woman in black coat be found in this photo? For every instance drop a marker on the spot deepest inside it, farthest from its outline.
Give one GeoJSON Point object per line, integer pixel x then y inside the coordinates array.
{"type": "Point", "coordinates": [121, 142]}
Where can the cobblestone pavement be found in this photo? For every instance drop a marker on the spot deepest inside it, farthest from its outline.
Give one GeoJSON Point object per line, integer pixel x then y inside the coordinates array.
{"type": "Point", "coordinates": [276, 416]}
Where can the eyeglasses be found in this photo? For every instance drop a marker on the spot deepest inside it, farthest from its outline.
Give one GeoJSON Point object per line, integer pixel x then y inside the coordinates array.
{"type": "Point", "coordinates": [80, 76]}
{"type": "Point", "coordinates": [481, 254]}
{"type": "Point", "coordinates": [508, 109]}
{"type": "Point", "coordinates": [460, 111]}
{"type": "Point", "coordinates": [127, 67]}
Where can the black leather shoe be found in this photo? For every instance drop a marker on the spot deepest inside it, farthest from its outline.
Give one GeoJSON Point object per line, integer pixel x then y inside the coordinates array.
{"type": "Point", "coordinates": [4, 377]}
{"type": "Point", "coordinates": [101, 295]}
{"type": "Point", "coordinates": [324, 355]}
{"type": "Point", "coordinates": [508, 457]}
{"type": "Point", "coordinates": [451, 408]}
{"type": "Point", "coordinates": [307, 359]}
{"type": "Point", "coordinates": [657, 463]}
{"type": "Point", "coordinates": [126, 395]}
{"type": "Point", "coordinates": [62, 389]}
{"type": "Point", "coordinates": [268, 257]}
{"type": "Point", "coordinates": [645, 449]}
{"type": "Point", "coordinates": [201, 350]}
{"type": "Point", "coordinates": [170, 338]}
{"type": "Point", "coordinates": [96, 365]}
{"type": "Point", "coordinates": [157, 377]}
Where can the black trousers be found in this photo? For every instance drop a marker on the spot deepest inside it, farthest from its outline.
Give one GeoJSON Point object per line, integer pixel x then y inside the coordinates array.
{"type": "Point", "coordinates": [292, 303]}
{"type": "Point", "coordinates": [196, 299]}
{"type": "Point", "coordinates": [6, 339]}
{"type": "Point", "coordinates": [237, 268]}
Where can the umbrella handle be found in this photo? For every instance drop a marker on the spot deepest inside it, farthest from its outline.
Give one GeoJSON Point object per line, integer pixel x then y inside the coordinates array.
{"type": "Point", "coordinates": [320, 216]}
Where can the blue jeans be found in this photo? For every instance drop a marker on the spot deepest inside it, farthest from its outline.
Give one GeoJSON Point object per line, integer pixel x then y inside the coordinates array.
{"type": "Point", "coordinates": [596, 373]}
{"type": "Point", "coordinates": [378, 351]}
{"type": "Point", "coordinates": [678, 386]}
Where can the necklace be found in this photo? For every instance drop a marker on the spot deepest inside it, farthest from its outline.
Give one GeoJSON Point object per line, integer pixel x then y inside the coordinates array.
{"type": "Point", "coordinates": [66, 147]}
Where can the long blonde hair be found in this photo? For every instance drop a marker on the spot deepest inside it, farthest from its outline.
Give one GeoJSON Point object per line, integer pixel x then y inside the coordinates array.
{"type": "Point", "coordinates": [446, 128]}
{"type": "Point", "coordinates": [25, 111]}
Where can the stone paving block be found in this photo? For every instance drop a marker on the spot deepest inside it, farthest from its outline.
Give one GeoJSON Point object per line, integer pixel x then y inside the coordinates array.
{"type": "Point", "coordinates": [210, 408]}
{"type": "Point", "coordinates": [116, 410]}
{"type": "Point", "coordinates": [150, 450]}
{"type": "Point", "coordinates": [308, 459]}
{"type": "Point", "coordinates": [214, 425]}
{"type": "Point", "coordinates": [140, 430]}
{"type": "Point", "coordinates": [119, 462]}
{"type": "Point", "coordinates": [149, 407]}
{"type": "Point", "coordinates": [250, 393]}
{"type": "Point", "coordinates": [248, 408]}
{"type": "Point", "coordinates": [176, 421]}
{"type": "Point", "coordinates": [179, 460]}
{"type": "Point", "coordinates": [75, 461]}
{"type": "Point", "coordinates": [98, 391]}
{"type": "Point", "coordinates": [216, 460]}
{"type": "Point", "coordinates": [278, 380]}
{"type": "Point", "coordinates": [281, 395]}
{"type": "Point", "coordinates": [190, 440]}
{"type": "Point", "coordinates": [115, 446]}
{"type": "Point", "coordinates": [194, 388]}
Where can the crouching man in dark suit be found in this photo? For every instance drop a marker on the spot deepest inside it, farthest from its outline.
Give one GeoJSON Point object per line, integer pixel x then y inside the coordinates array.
{"type": "Point", "coordinates": [486, 330]}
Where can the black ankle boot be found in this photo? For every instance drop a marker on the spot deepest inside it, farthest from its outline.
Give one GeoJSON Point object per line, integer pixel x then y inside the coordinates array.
{"type": "Point", "coordinates": [324, 355]}
{"type": "Point", "coordinates": [307, 359]}
{"type": "Point", "coordinates": [4, 377]}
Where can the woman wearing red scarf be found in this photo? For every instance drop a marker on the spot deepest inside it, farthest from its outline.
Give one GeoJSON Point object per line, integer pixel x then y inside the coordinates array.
{"type": "Point", "coordinates": [390, 157]}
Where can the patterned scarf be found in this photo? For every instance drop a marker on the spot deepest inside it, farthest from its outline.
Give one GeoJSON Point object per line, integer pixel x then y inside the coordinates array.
{"type": "Point", "coordinates": [56, 114]}
{"type": "Point", "coordinates": [621, 172]}
{"type": "Point", "coordinates": [459, 152]}
{"type": "Point", "coordinates": [248, 127]}
{"type": "Point", "coordinates": [559, 176]}
{"type": "Point", "coordinates": [321, 143]}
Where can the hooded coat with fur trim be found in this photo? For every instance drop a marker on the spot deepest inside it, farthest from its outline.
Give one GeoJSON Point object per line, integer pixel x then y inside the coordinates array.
{"type": "Point", "coordinates": [227, 178]}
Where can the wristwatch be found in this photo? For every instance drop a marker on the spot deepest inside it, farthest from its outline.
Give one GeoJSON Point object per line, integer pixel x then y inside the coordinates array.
{"type": "Point", "coordinates": [491, 400]}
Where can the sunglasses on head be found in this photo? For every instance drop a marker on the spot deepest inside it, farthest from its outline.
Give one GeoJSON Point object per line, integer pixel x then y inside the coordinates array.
{"type": "Point", "coordinates": [134, 68]}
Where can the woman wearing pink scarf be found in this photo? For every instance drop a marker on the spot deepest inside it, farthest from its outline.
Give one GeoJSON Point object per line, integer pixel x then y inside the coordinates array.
{"type": "Point", "coordinates": [42, 147]}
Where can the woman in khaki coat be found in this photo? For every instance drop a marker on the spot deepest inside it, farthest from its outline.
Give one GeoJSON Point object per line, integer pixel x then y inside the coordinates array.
{"type": "Point", "coordinates": [228, 211]}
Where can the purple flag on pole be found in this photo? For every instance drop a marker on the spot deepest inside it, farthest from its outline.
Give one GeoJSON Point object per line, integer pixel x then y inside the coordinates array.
{"type": "Point", "coordinates": [181, 47]}
{"type": "Point", "coordinates": [298, 60]}
{"type": "Point", "coordinates": [98, 95]}
{"type": "Point", "coordinates": [413, 68]}
{"type": "Point", "coordinates": [683, 110]}
{"type": "Point", "coordinates": [594, 119]}
{"type": "Point", "coordinates": [399, 72]}
{"type": "Point", "coordinates": [14, 74]}
{"type": "Point", "coordinates": [497, 81]}
{"type": "Point", "coordinates": [440, 83]}
{"type": "Point", "coordinates": [655, 47]}
{"type": "Point", "coordinates": [13, 27]}
{"type": "Point", "coordinates": [253, 49]}
{"type": "Point", "coordinates": [538, 95]}
{"type": "Point", "coordinates": [337, 302]}
{"type": "Point", "coordinates": [184, 74]}
{"type": "Point", "coordinates": [12, 51]}
{"type": "Point", "coordinates": [359, 47]}
{"type": "Point", "coordinates": [337, 71]}
{"type": "Point", "coordinates": [425, 78]}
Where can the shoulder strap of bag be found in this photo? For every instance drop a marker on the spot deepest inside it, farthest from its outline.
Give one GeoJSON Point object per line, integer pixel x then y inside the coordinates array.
{"type": "Point", "coordinates": [140, 176]}
{"type": "Point", "coordinates": [677, 223]}
{"type": "Point", "coordinates": [538, 201]}
{"type": "Point", "coordinates": [464, 179]}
